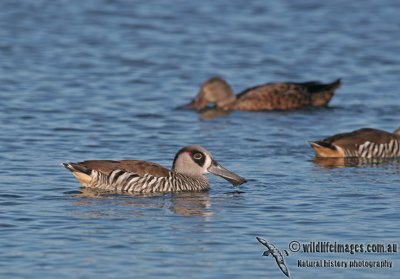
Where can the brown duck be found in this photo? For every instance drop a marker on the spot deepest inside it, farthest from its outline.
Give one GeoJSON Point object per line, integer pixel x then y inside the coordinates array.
{"type": "Point", "coordinates": [270, 96]}
{"type": "Point", "coordinates": [134, 176]}
{"type": "Point", "coordinates": [365, 143]}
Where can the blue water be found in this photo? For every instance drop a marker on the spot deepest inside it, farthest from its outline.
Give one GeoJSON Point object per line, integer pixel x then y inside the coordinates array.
{"type": "Point", "coordinates": [101, 79]}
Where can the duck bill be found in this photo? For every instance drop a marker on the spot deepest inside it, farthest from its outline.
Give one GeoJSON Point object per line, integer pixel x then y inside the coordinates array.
{"type": "Point", "coordinates": [192, 105]}
{"type": "Point", "coordinates": [219, 170]}
{"type": "Point", "coordinates": [197, 103]}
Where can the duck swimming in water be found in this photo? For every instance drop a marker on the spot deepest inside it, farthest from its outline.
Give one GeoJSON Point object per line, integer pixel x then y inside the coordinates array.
{"type": "Point", "coordinates": [363, 143]}
{"type": "Point", "coordinates": [133, 176]}
{"type": "Point", "coordinates": [270, 96]}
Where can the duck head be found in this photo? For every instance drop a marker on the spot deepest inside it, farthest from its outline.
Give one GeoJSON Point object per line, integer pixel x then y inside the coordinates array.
{"type": "Point", "coordinates": [196, 161]}
{"type": "Point", "coordinates": [213, 91]}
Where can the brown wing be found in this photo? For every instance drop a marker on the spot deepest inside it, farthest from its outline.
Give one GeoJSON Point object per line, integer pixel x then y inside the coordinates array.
{"type": "Point", "coordinates": [285, 96]}
{"type": "Point", "coordinates": [136, 166]}
{"type": "Point", "coordinates": [271, 96]}
{"type": "Point", "coordinates": [268, 88]}
{"type": "Point", "coordinates": [358, 137]}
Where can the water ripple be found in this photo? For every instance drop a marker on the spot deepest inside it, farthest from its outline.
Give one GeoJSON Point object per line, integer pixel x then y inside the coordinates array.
{"type": "Point", "coordinates": [102, 79]}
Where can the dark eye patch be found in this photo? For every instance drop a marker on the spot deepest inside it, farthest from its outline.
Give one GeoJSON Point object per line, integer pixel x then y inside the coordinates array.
{"type": "Point", "coordinates": [199, 158]}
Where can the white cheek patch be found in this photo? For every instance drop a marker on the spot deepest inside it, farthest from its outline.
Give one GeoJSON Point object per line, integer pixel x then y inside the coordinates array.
{"type": "Point", "coordinates": [207, 162]}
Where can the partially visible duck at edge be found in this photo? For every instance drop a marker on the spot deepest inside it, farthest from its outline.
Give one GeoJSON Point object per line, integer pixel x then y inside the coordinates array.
{"type": "Point", "coordinates": [270, 96]}
{"type": "Point", "coordinates": [362, 143]}
{"type": "Point", "coordinates": [134, 176]}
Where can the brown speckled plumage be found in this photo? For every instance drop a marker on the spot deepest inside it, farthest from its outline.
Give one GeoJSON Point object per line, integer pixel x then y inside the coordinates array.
{"type": "Point", "coordinates": [270, 96]}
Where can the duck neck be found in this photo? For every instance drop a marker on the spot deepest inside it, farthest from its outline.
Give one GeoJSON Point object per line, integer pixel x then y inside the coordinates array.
{"type": "Point", "coordinates": [183, 182]}
{"type": "Point", "coordinates": [227, 102]}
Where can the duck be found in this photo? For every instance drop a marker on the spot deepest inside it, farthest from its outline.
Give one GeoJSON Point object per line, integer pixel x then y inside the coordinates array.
{"type": "Point", "coordinates": [266, 97]}
{"type": "Point", "coordinates": [361, 143]}
{"type": "Point", "coordinates": [189, 167]}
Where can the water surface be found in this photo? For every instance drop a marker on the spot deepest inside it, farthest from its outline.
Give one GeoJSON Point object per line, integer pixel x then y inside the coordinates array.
{"type": "Point", "coordinates": [101, 80]}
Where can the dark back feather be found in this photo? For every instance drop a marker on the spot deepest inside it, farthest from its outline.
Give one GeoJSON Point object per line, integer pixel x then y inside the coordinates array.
{"type": "Point", "coordinates": [136, 166]}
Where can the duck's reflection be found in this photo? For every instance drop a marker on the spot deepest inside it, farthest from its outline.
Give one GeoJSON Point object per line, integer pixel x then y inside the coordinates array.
{"type": "Point", "coordinates": [184, 204]}
{"type": "Point", "coordinates": [191, 204]}
{"type": "Point", "coordinates": [211, 113]}
{"type": "Point", "coordinates": [332, 163]}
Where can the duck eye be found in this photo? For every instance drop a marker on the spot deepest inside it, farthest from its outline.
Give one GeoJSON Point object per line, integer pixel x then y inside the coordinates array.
{"type": "Point", "coordinates": [197, 156]}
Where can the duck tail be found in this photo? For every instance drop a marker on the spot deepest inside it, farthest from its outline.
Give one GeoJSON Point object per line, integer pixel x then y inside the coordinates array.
{"type": "Point", "coordinates": [81, 173]}
{"type": "Point", "coordinates": [77, 168]}
{"type": "Point", "coordinates": [334, 85]}
{"type": "Point", "coordinates": [325, 94]}
{"type": "Point", "coordinates": [325, 149]}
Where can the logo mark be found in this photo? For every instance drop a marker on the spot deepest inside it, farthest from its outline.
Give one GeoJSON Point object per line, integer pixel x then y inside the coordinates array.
{"type": "Point", "coordinates": [272, 250]}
